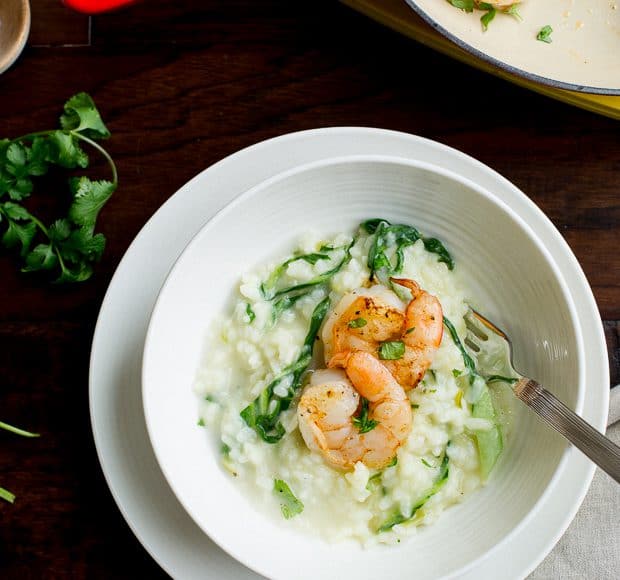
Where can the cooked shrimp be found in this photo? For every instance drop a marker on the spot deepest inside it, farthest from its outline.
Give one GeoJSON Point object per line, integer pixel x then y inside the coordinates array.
{"type": "Point", "coordinates": [328, 404]}
{"type": "Point", "coordinates": [366, 318]}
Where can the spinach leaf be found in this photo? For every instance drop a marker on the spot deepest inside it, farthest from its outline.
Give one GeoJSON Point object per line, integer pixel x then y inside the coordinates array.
{"type": "Point", "coordinates": [398, 518]}
{"type": "Point", "coordinates": [263, 413]}
{"type": "Point", "coordinates": [395, 238]}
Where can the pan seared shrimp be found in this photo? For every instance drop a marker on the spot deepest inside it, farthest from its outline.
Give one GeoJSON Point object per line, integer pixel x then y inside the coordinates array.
{"type": "Point", "coordinates": [367, 318]}
{"type": "Point", "coordinates": [328, 405]}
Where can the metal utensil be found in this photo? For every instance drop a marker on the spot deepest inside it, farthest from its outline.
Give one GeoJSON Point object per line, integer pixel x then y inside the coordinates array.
{"type": "Point", "coordinates": [581, 434]}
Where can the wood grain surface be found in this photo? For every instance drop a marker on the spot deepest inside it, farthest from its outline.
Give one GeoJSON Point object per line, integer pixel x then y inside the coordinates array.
{"type": "Point", "coordinates": [182, 84]}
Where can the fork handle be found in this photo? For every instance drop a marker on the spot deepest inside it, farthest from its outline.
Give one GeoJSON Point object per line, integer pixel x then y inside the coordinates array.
{"type": "Point", "coordinates": [604, 452]}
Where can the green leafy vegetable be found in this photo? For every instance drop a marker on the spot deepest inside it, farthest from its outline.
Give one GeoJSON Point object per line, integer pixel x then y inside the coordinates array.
{"type": "Point", "coordinates": [284, 298]}
{"type": "Point", "coordinates": [289, 504]}
{"type": "Point", "coordinates": [499, 378]}
{"type": "Point", "coordinates": [469, 362]}
{"type": "Point", "coordinates": [398, 518]}
{"type": "Point", "coordinates": [363, 423]}
{"type": "Point", "coordinates": [357, 323]}
{"type": "Point", "coordinates": [486, 18]}
{"type": "Point", "coordinates": [69, 246]}
{"type": "Point", "coordinates": [250, 313]}
{"type": "Point", "coordinates": [490, 443]}
{"type": "Point", "coordinates": [467, 5]}
{"type": "Point", "coordinates": [393, 239]}
{"type": "Point", "coordinates": [544, 34]}
{"type": "Point", "coordinates": [392, 350]}
{"type": "Point", "coordinates": [425, 462]}
{"type": "Point", "coordinates": [374, 481]}
{"type": "Point", "coordinates": [263, 413]}
{"type": "Point", "coordinates": [513, 11]}
{"type": "Point", "coordinates": [5, 494]}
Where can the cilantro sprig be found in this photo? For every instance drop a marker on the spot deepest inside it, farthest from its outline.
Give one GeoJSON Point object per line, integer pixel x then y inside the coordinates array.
{"type": "Point", "coordinates": [69, 247]}
{"type": "Point", "coordinates": [5, 494]}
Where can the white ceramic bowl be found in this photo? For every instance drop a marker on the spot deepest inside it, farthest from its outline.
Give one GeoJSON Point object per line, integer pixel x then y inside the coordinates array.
{"type": "Point", "coordinates": [512, 278]}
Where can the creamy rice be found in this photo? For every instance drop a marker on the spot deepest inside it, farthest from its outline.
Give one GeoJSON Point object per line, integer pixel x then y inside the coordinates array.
{"type": "Point", "coordinates": [243, 356]}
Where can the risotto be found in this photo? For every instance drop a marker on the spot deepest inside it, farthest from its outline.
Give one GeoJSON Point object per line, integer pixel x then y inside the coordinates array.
{"type": "Point", "coordinates": [260, 359]}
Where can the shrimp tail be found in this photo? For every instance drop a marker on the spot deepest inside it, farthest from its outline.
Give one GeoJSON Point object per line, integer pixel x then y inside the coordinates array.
{"type": "Point", "coordinates": [411, 285]}
{"type": "Point", "coordinates": [340, 359]}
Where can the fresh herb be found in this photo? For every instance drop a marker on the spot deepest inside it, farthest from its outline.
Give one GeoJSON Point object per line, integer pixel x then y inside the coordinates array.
{"type": "Point", "coordinates": [415, 406]}
{"type": "Point", "coordinates": [269, 288]}
{"type": "Point", "coordinates": [410, 330]}
{"type": "Point", "coordinates": [398, 518]}
{"type": "Point", "coordinates": [263, 414]}
{"type": "Point", "coordinates": [69, 246]}
{"type": "Point", "coordinates": [433, 374]}
{"type": "Point", "coordinates": [289, 504]}
{"type": "Point", "coordinates": [425, 462]}
{"type": "Point", "coordinates": [490, 443]}
{"type": "Point", "coordinates": [467, 5]}
{"type": "Point", "coordinates": [392, 350]}
{"type": "Point", "coordinates": [201, 422]}
{"type": "Point", "coordinates": [357, 323]}
{"type": "Point", "coordinates": [224, 449]}
{"type": "Point", "coordinates": [513, 11]}
{"type": "Point", "coordinates": [486, 18]}
{"type": "Point", "coordinates": [456, 373]}
{"type": "Point", "coordinates": [284, 298]}
{"type": "Point", "coordinates": [469, 362]}
{"type": "Point", "coordinates": [251, 314]}
{"type": "Point", "coordinates": [282, 304]}
{"type": "Point", "coordinates": [5, 494]}
{"type": "Point", "coordinates": [374, 481]}
{"type": "Point", "coordinates": [362, 422]}
{"type": "Point", "coordinates": [393, 462]}
{"type": "Point", "coordinates": [544, 34]}
{"type": "Point", "coordinates": [499, 378]}
{"type": "Point", "coordinates": [397, 238]}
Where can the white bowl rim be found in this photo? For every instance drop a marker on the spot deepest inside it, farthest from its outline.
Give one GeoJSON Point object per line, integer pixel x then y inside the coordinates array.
{"type": "Point", "coordinates": [386, 159]}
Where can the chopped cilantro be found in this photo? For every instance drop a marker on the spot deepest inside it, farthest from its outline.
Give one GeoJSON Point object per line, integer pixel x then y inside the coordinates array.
{"type": "Point", "coordinates": [392, 350]}
{"type": "Point", "coordinates": [357, 323]}
{"type": "Point", "coordinates": [289, 504]}
{"type": "Point", "coordinates": [363, 423]}
{"type": "Point", "coordinates": [250, 313]}
{"type": "Point", "coordinates": [544, 34]}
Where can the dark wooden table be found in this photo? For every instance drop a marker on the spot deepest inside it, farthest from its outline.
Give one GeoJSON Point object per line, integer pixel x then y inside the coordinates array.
{"type": "Point", "coordinates": [182, 84]}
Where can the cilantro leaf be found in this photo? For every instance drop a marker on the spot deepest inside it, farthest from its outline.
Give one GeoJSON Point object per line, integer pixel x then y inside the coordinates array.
{"type": "Point", "coordinates": [18, 234]}
{"type": "Point", "coordinates": [392, 350]}
{"type": "Point", "coordinates": [363, 423]}
{"type": "Point", "coordinates": [357, 323]}
{"type": "Point", "coordinates": [88, 199]}
{"type": "Point", "coordinates": [65, 150]}
{"type": "Point", "coordinates": [81, 115]}
{"type": "Point", "coordinates": [42, 257]}
{"type": "Point", "coordinates": [250, 313]}
{"type": "Point", "coordinates": [544, 34]}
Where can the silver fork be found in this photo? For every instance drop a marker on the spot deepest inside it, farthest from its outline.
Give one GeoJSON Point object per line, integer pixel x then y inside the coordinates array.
{"type": "Point", "coordinates": [605, 453]}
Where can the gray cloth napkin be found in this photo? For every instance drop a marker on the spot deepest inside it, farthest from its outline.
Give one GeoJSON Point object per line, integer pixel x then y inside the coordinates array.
{"type": "Point", "coordinates": [590, 548]}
